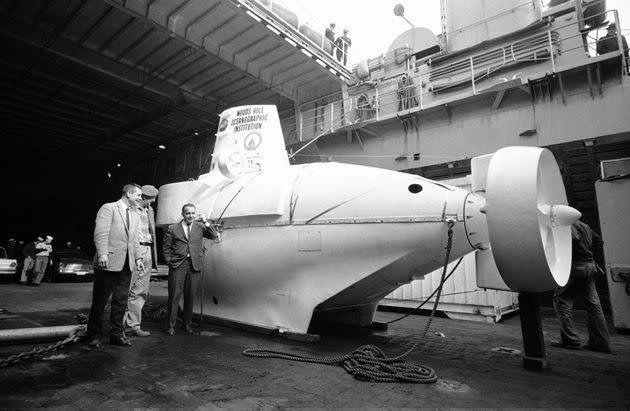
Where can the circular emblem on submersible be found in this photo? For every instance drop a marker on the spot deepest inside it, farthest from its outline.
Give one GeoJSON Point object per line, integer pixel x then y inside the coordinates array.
{"type": "Point", "coordinates": [252, 141]}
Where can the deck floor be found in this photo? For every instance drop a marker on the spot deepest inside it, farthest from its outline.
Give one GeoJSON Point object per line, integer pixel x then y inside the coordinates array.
{"type": "Point", "coordinates": [208, 371]}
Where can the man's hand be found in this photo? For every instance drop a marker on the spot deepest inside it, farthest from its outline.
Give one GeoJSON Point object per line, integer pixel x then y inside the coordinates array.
{"type": "Point", "coordinates": [102, 261]}
{"type": "Point", "coordinates": [202, 218]}
{"type": "Point", "coordinates": [140, 265]}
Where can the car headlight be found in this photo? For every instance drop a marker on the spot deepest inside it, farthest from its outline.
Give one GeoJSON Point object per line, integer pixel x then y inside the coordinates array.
{"type": "Point", "coordinates": [13, 264]}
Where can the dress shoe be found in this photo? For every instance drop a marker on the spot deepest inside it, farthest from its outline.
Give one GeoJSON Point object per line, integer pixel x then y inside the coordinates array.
{"type": "Point", "coordinates": [139, 332]}
{"type": "Point", "coordinates": [188, 329]}
{"type": "Point", "coordinates": [34, 284]}
{"type": "Point", "coordinates": [95, 343]}
{"type": "Point", "coordinates": [170, 332]}
{"type": "Point", "coordinates": [23, 283]}
{"type": "Point", "coordinates": [119, 340]}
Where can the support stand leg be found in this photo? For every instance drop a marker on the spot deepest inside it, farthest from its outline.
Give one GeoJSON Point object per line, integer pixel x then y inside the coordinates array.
{"type": "Point", "coordinates": [531, 327]}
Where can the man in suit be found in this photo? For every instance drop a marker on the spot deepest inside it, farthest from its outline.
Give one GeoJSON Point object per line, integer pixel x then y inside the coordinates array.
{"type": "Point", "coordinates": [117, 245]}
{"type": "Point", "coordinates": [183, 252]}
{"type": "Point", "coordinates": [140, 280]}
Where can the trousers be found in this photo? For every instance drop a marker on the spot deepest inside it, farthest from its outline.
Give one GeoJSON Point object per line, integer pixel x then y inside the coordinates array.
{"type": "Point", "coordinates": [41, 262]}
{"type": "Point", "coordinates": [29, 262]}
{"type": "Point", "coordinates": [106, 284]}
{"type": "Point", "coordinates": [180, 283]}
{"type": "Point", "coordinates": [139, 290]}
{"type": "Point", "coordinates": [581, 280]}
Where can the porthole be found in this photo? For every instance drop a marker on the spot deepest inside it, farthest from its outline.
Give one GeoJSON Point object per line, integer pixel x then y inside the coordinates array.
{"type": "Point", "coordinates": [415, 188]}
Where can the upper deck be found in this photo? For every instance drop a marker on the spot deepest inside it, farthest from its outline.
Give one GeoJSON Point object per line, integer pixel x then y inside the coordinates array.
{"type": "Point", "coordinates": [398, 84]}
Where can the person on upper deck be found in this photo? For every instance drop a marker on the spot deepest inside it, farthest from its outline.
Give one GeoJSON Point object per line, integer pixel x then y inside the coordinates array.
{"type": "Point", "coordinates": [330, 36]}
{"type": "Point", "coordinates": [610, 43]}
{"type": "Point", "coordinates": [343, 43]}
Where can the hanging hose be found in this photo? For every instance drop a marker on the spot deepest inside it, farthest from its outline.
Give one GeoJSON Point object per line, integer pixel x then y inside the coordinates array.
{"type": "Point", "coordinates": [429, 297]}
{"type": "Point", "coordinates": [368, 362]}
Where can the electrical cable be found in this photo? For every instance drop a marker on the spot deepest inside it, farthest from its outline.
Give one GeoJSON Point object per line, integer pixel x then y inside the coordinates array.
{"type": "Point", "coordinates": [368, 362]}
{"type": "Point", "coordinates": [429, 297]}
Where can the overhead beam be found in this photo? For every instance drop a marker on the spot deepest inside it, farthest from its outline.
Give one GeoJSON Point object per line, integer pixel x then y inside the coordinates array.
{"type": "Point", "coordinates": [140, 122]}
{"type": "Point", "coordinates": [96, 25]}
{"type": "Point", "coordinates": [60, 108]}
{"type": "Point", "coordinates": [200, 46]}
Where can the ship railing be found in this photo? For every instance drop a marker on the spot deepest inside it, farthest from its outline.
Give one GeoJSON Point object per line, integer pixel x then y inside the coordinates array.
{"type": "Point", "coordinates": [305, 30]}
{"type": "Point", "coordinates": [440, 85]}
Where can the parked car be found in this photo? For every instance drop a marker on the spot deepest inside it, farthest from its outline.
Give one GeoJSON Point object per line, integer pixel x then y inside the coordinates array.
{"type": "Point", "coordinates": [69, 264]}
{"type": "Point", "coordinates": [8, 266]}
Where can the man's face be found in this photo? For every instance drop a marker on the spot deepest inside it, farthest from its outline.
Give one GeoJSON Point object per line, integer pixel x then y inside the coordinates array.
{"type": "Point", "coordinates": [68, 244]}
{"type": "Point", "coordinates": [188, 214]}
{"type": "Point", "coordinates": [134, 196]}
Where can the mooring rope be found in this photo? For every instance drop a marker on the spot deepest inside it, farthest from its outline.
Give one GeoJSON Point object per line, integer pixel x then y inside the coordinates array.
{"type": "Point", "coordinates": [368, 362]}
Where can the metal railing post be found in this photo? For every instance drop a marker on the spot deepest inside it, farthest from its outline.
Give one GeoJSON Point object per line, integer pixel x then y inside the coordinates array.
{"type": "Point", "coordinates": [472, 75]}
{"type": "Point", "coordinates": [301, 115]}
{"type": "Point", "coordinates": [420, 92]}
{"type": "Point", "coordinates": [553, 61]}
{"type": "Point", "coordinates": [332, 116]}
{"type": "Point", "coordinates": [624, 63]}
{"type": "Point", "coordinates": [377, 104]}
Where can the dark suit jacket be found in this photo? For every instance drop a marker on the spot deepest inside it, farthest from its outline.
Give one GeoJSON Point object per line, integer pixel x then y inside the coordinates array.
{"type": "Point", "coordinates": [176, 246]}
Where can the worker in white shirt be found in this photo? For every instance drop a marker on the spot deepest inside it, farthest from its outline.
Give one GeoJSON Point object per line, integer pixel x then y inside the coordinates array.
{"type": "Point", "coordinates": [43, 250]}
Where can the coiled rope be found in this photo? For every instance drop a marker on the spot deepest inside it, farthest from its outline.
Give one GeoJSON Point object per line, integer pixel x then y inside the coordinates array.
{"type": "Point", "coordinates": [368, 362]}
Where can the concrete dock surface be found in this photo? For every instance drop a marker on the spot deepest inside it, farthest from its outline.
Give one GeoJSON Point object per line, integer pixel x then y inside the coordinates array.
{"type": "Point", "coordinates": [207, 370]}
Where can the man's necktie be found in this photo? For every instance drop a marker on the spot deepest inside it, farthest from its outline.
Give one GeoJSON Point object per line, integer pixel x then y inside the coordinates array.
{"type": "Point", "coordinates": [187, 231]}
{"type": "Point", "coordinates": [128, 222]}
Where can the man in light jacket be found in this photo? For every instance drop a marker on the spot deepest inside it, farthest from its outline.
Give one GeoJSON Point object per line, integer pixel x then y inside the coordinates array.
{"type": "Point", "coordinates": [117, 245]}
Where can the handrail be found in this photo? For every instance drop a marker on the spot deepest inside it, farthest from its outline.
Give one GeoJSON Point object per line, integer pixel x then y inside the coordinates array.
{"type": "Point", "coordinates": [388, 99]}
{"type": "Point", "coordinates": [324, 39]}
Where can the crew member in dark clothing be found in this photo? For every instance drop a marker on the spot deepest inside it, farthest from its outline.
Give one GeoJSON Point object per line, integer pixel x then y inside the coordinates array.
{"type": "Point", "coordinates": [610, 43]}
{"type": "Point", "coordinates": [581, 280]}
{"type": "Point", "coordinates": [19, 256]}
{"type": "Point", "coordinates": [343, 43]}
{"type": "Point", "coordinates": [30, 254]}
{"type": "Point", "coordinates": [10, 248]}
{"type": "Point", "coordinates": [330, 36]}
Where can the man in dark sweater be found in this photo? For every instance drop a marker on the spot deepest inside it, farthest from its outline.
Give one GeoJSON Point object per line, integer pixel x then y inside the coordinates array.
{"type": "Point", "coordinates": [581, 280]}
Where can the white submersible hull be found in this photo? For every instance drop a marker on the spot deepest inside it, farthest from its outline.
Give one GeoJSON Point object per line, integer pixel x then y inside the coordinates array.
{"type": "Point", "coordinates": [329, 240]}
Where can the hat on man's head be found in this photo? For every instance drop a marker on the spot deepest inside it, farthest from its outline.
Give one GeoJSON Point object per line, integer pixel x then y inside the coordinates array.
{"type": "Point", "coordinates": [11, 240]}
{"type": "Point", "coordinates": [612, 26]}
{"type": "Point", "coordinates": [49, 237]}
{"type": "Point", "coordinates": [149, 191]}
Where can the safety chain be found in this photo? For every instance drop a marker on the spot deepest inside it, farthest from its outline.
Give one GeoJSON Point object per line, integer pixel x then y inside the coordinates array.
{"type": "Point", "coordinates": [368, 362]}
{"type": "Point", "coordinates": [82, 318]}
{"type": "Point", "coordinates": [74, 336]}
{"type": "Point", "coordinates": [154, 311]}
